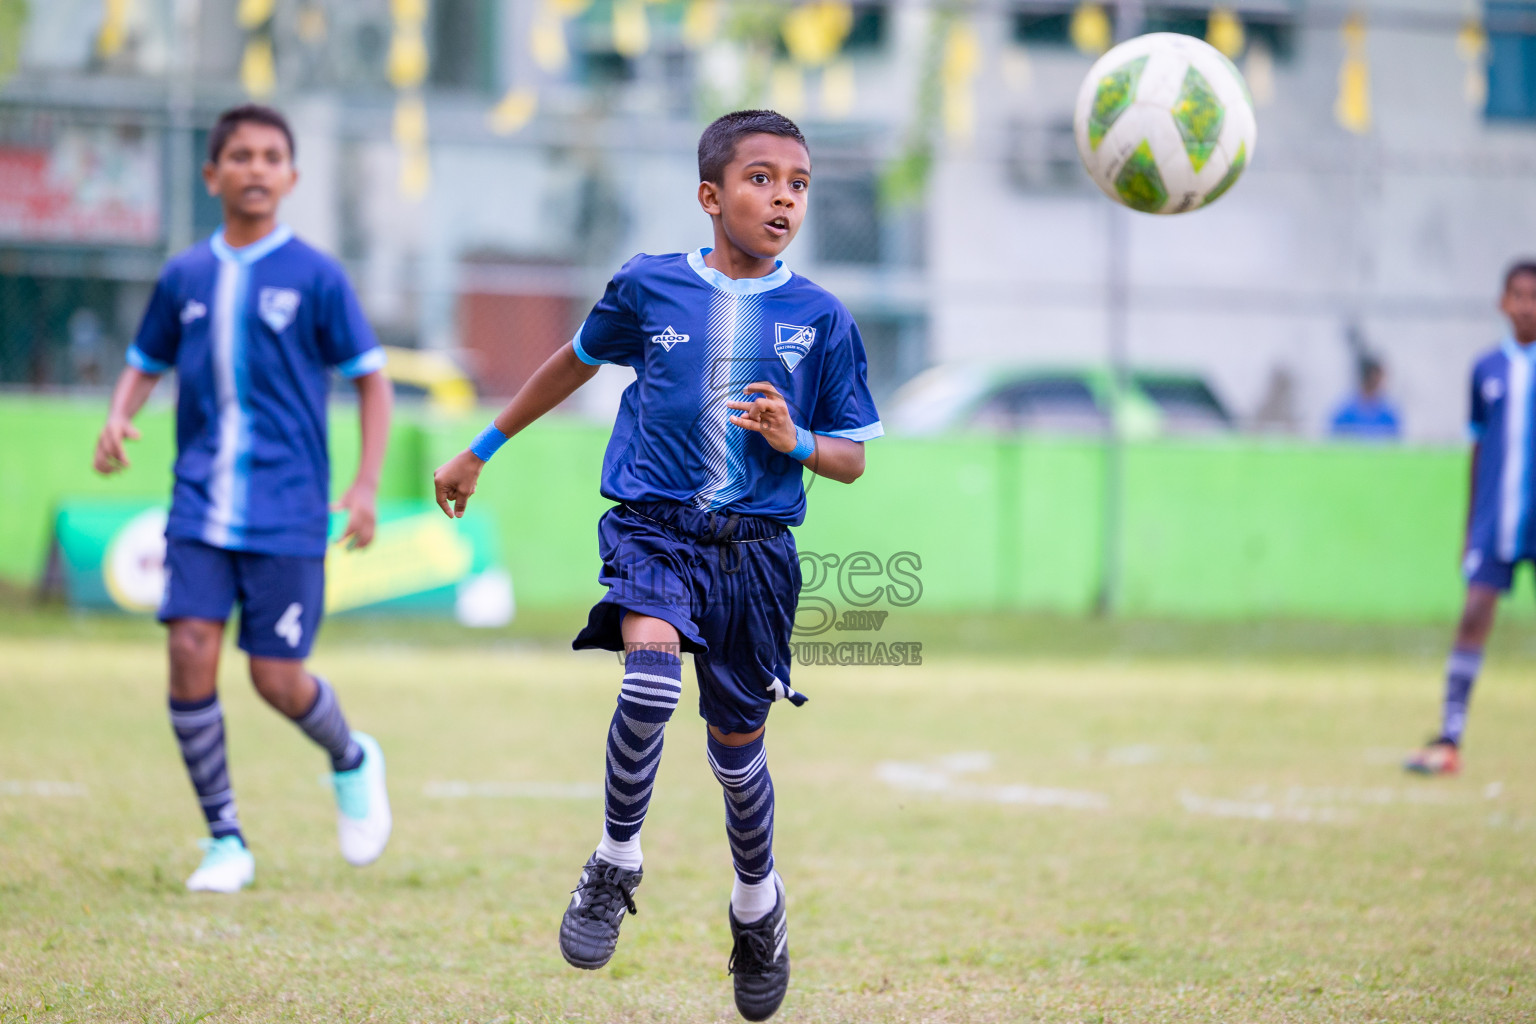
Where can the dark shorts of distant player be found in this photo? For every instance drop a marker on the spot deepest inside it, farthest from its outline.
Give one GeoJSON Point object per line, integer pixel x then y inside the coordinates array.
{"type": "Point", "coordinates": [1490, 571]}
{"type": "Point", "coordinates": [281, 597]}
{"type": "Point", "coordinates": [729, 588]}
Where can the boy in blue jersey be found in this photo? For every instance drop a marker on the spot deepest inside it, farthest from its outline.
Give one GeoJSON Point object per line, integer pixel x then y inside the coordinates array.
{"type": "Point", "coordinates": [253, 321]}
{"type": "Point", "coordinates": [745, 373]}
{"type": "Point", "coordinates": [1499, 522]}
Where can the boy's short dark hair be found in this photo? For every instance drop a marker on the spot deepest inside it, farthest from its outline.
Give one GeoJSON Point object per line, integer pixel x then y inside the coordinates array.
{"type": "Point", "coordinates": [249, 113]}
{"type": "Point", "coordinates": [1515, 270]}
{"type": "Point", "coordinates": [717, 146]}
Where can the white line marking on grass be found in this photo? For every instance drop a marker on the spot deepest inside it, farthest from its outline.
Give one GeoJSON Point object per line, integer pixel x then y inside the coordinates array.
{"type": "Point", "coordinates": [516, 790]}
{"type": "Point", "coordinates": [39, 787]}
{"type": "Point", "coordinates": [939, 779]}
{"type": "Point", "coordinates": [1258, 810]}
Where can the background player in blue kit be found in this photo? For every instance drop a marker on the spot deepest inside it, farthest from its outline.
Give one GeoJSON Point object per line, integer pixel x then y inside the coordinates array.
{"type": "Point", "coordinates": [1501, 530]}
{"type": "Point", "coordinates": [745, 373]}
{"type": "Point", "coordinates": [253, 321]}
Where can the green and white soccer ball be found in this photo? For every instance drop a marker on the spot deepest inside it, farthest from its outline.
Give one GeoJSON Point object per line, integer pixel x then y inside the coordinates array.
{"type": "Point", "coordinates": [1165, 123]}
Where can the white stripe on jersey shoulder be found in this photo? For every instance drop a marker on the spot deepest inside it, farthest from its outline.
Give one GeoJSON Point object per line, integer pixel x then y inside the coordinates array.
{"type": "Point", "coordinates": [738, 286]}
{"type": "Point", "coordinates": [868, 432]}
{"type": "Point", "coordinates": [247, 254]}
{"type": "Point", "coordinates": [369, 361]}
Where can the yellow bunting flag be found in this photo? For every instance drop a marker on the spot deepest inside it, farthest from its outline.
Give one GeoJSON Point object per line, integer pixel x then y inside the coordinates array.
{"type": "Point", "coordinates": [1224, 30]}
{"type": "Point", "coordinates": [631, 30]}
{"type": "Point", "coordinates": [1353, 107]}
{"type": "Point", "coordinates": [701, 23]}
{"type": "Point", "coordinates": [786, 89]}
{"type": "Point", "coordinates": [546, 41]}
{"type": "Point", "coordinates": [406, 66]}
{"type": "Point", "coordinates": [254, 13]}
{"type": "Point", "coordinates": [814, 32]}
{"type": "Point", "coordinates": [1090, 29]}
{"type": "Point", "coordinates": [258, 69]}
{"type": "Point", "coordinates": [838, 91]}
{"type": "Point", "coordinates": [114, 27]}
{"type": "Point", "coordinates": [1472, 47]}
{"type": "Point", "coordinates": [513, 113]}
{"type": "Point", "coordinates": [962, 60]}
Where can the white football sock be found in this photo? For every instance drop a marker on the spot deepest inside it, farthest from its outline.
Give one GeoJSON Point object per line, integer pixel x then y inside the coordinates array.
{"type": "Point", "coordinates": [624, 854]}
{"type": "Point", "coordinates": [751, 900]}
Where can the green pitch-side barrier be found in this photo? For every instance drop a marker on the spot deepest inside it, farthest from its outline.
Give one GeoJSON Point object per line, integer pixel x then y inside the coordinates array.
{"type": "Point", "coordinates": [1231, 528]}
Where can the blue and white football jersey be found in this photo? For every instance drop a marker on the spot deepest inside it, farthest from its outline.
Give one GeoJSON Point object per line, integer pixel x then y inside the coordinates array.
{"type": "Point", "coordinates": [1503, 395]}
{"type": "Point", "coordinates": [253, 334]}
{"type": "Point", "coordinates": [695, 339]}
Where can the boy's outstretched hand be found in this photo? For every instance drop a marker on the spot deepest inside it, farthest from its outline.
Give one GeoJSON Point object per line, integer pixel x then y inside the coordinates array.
{"type": "Point", "coordinates": [362, 515]}
{"type": "Point", "coordinates": [768, 415]}
{"type": "Point", "coordinates": [455, 481]}
{"type": "Point", "coordinates": [110, 455]}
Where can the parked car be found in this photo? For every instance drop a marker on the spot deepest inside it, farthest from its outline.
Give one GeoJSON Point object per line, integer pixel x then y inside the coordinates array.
{"type": "Point", "coordinates": [1006, 400]}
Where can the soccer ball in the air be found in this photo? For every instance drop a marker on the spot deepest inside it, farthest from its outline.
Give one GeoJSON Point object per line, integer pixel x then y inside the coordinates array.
{"type": "Point", "coordinates": [1165, 123]}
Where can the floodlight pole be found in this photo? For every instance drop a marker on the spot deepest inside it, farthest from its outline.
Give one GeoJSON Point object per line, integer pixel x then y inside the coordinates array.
{"type": "Point", "coordinates": [1129, 18]}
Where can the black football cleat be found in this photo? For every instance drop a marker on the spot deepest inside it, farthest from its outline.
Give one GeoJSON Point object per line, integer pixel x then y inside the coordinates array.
{"type": "Point", "coordinates": [760, 960]}
{"type": "Point", "coordinates": [589, 932]}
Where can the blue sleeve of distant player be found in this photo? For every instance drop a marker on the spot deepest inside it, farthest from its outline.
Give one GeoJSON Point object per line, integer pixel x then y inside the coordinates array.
{"type": "Point", "coordinates": [347, 341]}
{"type": "Point", "coordinates": [154, 347]}
{"type": "Point", "coordinates": [844, 406]}
{"type": "Point", "coordinates": [611, 333]}
{"type": "Point", "coordinates": [1477, 417]}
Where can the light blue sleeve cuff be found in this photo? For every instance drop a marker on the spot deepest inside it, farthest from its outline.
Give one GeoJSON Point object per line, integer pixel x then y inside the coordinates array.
{"type": "Point", "coordinates": [865, 433]}
{"type": "Point", "coordinates": [362, 364]}
{"type": "Point", "coordinates": [144, 363]}
{"type": "Point", "coordinates": [581, 353]}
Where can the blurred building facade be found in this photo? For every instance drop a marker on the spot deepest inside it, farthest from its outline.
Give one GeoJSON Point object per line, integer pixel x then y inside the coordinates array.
{"type": "Point", "coordinates": [482, 167]}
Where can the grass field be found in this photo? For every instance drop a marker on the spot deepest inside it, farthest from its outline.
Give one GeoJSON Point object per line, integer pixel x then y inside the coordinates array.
{"type": "Point", "coordinates": [1144, 836]}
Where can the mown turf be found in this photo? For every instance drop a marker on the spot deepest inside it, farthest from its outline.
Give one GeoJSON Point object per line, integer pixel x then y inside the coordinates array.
{"type": "Point", "coordinates": [1117, 839]}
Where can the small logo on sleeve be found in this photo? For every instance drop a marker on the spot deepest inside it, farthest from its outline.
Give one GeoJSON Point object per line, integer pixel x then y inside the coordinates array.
{"type": "Point", "coordinates": [193, 310]}
{"type": "Point", "coordinates": [792, 343]}
{"type": "Point", "coordinates": [1493, 389]}
{"type": "Point", "coordinates": [667, 338]}
{"type": "Point", "coordinates": [278, 307]}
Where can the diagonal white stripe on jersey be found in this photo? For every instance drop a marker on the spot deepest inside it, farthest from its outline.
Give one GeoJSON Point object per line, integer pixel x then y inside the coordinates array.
{"type": "Point", "coordinates": [221, 477]}
{"type": "Point", "coordinates": [1517, 455]}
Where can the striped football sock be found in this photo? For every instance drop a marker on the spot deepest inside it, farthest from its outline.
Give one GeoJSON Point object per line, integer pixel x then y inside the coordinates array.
{"type": "Point", "coordinates": [653, 682]}
{"type": "Point", "coordinates": [743, 772]}
{"type": "Point", "coordinates": [1461, 671]}
{"type": "Point", "coordinates": [199, 728]}
{"type": "Point", "coordinates": [326, 725]}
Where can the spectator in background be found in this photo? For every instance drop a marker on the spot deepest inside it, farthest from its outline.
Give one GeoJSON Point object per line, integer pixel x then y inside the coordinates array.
{"type": "Point", "coordinates": [1367, 415]}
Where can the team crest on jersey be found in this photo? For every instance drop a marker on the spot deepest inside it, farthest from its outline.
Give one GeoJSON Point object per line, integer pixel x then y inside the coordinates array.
{"type": "Point", "coordinates": [667, 338]}
{"type": "Point", "coordinates": [1493, 389]}
{"type": "Point", "coordinates": [278, 307]}
{"type": "Point", "coordinates": [792, 343]}
{"type": "Point", "coordinates": [193, 310]}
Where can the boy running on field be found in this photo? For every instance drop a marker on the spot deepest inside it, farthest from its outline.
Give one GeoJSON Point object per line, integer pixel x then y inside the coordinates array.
{"type": "Point", "coordinates": [253, 321]}
{"type": "Point", "coordinates": [745, 372]}
{"type": "Point", "coordinates": [1499, 517]}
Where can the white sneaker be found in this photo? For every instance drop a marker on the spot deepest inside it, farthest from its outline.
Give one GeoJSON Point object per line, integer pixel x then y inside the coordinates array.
{"type": "Point", "coordinates": [362, 805]}
{"type": "Point", "coordinates": [227, 866]}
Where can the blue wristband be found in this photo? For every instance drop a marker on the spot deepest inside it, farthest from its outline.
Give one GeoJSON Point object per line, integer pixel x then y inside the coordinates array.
{"type": "Point", "coordinates": [486, 444]}
{"type": "Point", "coordinates": [805, 445]}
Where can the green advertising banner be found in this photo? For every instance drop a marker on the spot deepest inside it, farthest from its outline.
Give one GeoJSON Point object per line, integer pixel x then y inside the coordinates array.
{"type": "Point", "coordinates": [110, 555]}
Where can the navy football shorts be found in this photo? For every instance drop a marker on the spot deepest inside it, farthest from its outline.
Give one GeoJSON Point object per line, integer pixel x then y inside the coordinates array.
{"type": "Point", "coordinates": [1489, 570]}
{"type": "Point", "coordinates": [729, 584]}
{"type": "Point", "coordinates": [281, 596]}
